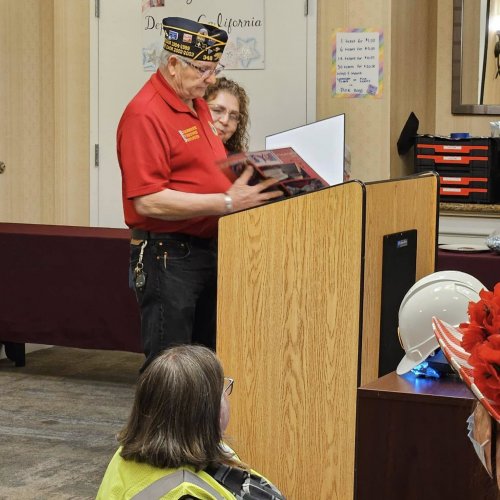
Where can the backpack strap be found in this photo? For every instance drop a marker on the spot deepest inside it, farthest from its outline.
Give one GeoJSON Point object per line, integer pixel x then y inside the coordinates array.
{"type": "Point", "coordinates": [244, 485]}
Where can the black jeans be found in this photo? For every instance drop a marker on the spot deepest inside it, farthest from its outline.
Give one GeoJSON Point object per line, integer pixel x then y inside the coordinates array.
{"type": "Point", "coordinates": [178, 301]}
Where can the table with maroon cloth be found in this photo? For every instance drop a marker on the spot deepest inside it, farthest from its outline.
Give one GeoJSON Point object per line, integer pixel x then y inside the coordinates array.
{"type": "Point", "coordinates": [66, 286]}
{"type": "Point", "coordinates": [485, 266]}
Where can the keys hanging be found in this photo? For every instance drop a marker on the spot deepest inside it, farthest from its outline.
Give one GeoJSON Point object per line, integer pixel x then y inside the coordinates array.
{"type": "Point", "coordinates": [139, 274]}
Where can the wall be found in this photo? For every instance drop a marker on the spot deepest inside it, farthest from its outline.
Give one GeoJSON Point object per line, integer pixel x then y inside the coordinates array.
{"type": "Point", "coordinates": [48, 97]}
{"type": "Point", "coordinates": [374, 125]}
{"type": "Point", "coordinates": [71, 113]}
{"type": "Point", "coordinates": [367, 120]}
{"type": "Point", "coordinates": [417, 77]}
{"type": "Point", "coordinates": [445, 121]}
{"type": "Point", "coordinates": [44, 98]}
{"type": "Point", "coordinates": [413, 74]}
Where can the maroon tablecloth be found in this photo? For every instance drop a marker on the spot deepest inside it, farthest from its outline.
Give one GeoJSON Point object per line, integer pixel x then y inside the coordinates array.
{"type": "Point", "coordinates": [67, 286]}
{"type": "Point", "coordinates": [485, 266]}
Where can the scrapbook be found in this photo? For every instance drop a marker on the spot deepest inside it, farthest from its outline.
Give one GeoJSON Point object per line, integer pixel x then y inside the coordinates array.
{"type": "Point", "coordinates": [293, 174]}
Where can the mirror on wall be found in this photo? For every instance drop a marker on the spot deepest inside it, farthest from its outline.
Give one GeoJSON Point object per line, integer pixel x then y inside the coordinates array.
{"type": "Point", "coordinates": [476, 57]}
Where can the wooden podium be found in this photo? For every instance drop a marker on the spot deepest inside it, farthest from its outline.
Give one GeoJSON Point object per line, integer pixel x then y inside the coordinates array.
{"type": "Point", "coordinates": [299, 288]}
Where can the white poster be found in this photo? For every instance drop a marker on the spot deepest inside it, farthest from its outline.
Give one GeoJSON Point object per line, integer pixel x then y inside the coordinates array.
{"type": "Point", "coordinates": [242, 19]}
{"type": "Point", "coordinates": [320, 144]}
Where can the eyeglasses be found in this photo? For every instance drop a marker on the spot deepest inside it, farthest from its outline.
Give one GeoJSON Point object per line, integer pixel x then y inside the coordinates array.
{"type": "Point", "coordinates": [220, 111]}
{"type": "Point", "coordinates": [204, 72]}
{"type": "Point", "coordinates": [228, 386]}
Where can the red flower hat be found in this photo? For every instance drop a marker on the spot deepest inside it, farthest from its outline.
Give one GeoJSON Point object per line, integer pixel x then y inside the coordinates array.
{"type": "Point", "coordinates": [473, 349]}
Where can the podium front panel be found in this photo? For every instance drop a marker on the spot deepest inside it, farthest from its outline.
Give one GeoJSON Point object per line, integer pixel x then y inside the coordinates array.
{"type": "Point", "coordinates": [289, 302]}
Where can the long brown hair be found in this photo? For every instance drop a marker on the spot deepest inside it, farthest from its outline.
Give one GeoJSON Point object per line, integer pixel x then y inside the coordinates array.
{"type": "Point", "coordinates": [238, 142]}
{"type": "Point", "coordinates": [175, 416]}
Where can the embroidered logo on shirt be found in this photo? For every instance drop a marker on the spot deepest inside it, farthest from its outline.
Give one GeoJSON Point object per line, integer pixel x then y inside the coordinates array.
{"type": "Point", "coordinates": [189, 134]}
{"type": "Point", "coordinates": [214, 130]}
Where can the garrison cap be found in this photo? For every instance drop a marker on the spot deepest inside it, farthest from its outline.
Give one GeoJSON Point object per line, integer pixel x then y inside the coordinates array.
{"type": "Point", "coordinates": [202, 42]}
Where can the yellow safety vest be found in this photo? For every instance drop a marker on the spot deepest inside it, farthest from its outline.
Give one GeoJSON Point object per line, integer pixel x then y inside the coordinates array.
{"type": "Point", "coordinates": [130, 480]}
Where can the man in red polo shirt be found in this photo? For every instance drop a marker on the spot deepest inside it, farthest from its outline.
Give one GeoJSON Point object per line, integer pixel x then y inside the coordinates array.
{"type": "Point", "coordinates": [174, 191]}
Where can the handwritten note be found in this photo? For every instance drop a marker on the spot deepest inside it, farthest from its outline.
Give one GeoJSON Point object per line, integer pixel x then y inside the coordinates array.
{"type": "Point", "coordinates": [357, 63]}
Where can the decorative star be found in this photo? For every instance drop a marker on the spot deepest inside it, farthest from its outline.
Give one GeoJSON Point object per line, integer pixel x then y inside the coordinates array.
{"type": "Point", "coordinates": [246, 51]}
{"type": "Point", "coordinates": [150, 57]}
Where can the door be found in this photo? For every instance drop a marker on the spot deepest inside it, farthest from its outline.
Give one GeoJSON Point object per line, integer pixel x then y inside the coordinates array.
{"type": "Point", "coordinates": [26, 146]}
{"type": "Point", "coordinates": [282, 95]}
{"type": "Point", "coordinates": [44, 106]}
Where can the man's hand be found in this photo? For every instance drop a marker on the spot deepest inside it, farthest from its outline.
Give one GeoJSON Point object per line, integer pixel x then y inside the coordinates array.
{"type": "Point", "coordinates": [177, 205]}
{"type": "Point", "coordinates": [246, 196]}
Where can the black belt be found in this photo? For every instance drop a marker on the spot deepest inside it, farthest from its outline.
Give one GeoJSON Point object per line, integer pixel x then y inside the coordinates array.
{"type": "Point", "coordinates": [140, 234]}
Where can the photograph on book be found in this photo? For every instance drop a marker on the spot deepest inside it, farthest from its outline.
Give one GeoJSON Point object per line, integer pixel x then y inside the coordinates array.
{"type": "Point", "coordinates": [293, 174]}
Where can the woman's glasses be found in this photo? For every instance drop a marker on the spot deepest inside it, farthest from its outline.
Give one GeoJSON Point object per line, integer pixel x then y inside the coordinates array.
{"type": "Point", "coordinates": [228, 386]}
{"type": "Point", "coordinates": [219, 111]}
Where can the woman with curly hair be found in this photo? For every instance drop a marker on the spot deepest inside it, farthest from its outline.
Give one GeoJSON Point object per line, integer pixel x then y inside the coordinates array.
{"type": "Point", "coordinates": [228, 103]}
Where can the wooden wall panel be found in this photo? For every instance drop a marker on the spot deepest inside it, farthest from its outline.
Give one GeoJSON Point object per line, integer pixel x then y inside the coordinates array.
{"type": "Point", "coordinates": [45, 111]}
{"type": "Point", "coordinates": [288, 332]}
{"type": "Point", "coordinates": [44, 89]}
{"type": "Point", "coordinates": [413, 74]}
{"type": "Point", "coordinates": [26, 141]}
{"type": "Point", "coordinates": [367, 120]}
{"type": "Point", "coordinates": [72, 111]}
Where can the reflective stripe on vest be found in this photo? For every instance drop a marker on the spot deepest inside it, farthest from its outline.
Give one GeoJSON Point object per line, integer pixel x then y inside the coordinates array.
{"type": "Point", "coordinates": [171, 481]}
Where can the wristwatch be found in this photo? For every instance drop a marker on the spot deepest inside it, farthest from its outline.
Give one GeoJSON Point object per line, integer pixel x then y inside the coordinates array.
{"type": "Point", "coordinates": [229, 203]}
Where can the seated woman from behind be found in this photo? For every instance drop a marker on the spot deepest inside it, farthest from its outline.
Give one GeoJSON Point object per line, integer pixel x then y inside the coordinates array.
{"type": "Point", "coordinates": [228, 103]}
{"type": "Point", "coordinates": [171, 447]}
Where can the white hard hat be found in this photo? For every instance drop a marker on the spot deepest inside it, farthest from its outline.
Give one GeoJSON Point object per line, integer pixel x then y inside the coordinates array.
{"type": "Point", "coordinates": [450, 276]}
{"type": "Point", "coordinates": [445, 295]}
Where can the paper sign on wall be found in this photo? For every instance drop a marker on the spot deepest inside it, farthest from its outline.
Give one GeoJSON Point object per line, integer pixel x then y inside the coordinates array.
{"type": "Point", "coordinates": [242, 19]}
{"type": "Point", "coordinates": [357, 63]}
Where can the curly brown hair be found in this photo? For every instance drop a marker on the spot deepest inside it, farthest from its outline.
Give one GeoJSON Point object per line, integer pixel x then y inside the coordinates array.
{"type": "Point", "coordinates": [238, 142]}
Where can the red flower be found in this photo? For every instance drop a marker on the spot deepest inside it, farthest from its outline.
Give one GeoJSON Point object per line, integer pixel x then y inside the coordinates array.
{"type": "Point", "coordinates": [477, 310]}
{"type": "Point", "coordinates": [486, 369]}
{"type": "Point", "coordinates": [472, 336]}
{"type": "Point", "coordinates": [481, 338]}
{"type": "Point", "coordinates": [492, 321]}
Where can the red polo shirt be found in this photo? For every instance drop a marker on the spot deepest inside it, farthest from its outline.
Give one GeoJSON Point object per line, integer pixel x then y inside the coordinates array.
{"type": "Point", "coordinates": [161, 145]}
